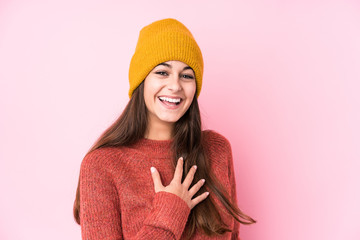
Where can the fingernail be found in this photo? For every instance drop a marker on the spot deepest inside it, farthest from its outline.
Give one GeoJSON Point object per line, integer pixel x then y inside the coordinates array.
{"type": "Point", "coordinates": [195, 166]}
{"type": "Point", "coordinates": [207, 193]}
{"type": "Point", "coordinates": [152, 169]}
{"type": "Point", "coordinates": [181, 158]}
{"type": "Point", "coordinates": [203, 180]}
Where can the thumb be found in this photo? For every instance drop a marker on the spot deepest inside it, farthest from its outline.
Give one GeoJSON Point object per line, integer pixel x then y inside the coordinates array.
{"type": "Point", "coordinates": [156, 179]}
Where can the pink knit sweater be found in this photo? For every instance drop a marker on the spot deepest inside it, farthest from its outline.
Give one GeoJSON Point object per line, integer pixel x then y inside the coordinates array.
{"type": "Point", "coordinates": [118, 200]}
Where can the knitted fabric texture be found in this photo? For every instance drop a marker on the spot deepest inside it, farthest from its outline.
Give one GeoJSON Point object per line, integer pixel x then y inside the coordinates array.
{"type": "Point", "coordinates": [118, 200]}
{"type": "Point", "coordinates": [161, 41]}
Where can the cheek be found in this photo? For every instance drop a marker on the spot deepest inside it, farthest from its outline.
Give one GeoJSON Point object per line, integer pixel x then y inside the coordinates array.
{"type": "Point", "coordinates": [148, 89]}
{"type": "Point", "coordinates": [147, 94]}
{"type": "Point", "coordinates": [152, 86]}
{"type": "Point", "coordinates": [191, 89]}
{"type": "Point", "coordinates": [151, 89]}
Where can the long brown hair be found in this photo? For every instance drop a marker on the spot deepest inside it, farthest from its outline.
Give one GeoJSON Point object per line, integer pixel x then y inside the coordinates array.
{"type": "Point", "coordinates": [188, 142]}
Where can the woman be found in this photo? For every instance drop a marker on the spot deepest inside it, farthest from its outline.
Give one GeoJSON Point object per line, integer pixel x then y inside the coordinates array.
{"type": "Point", "coordinates": [190, 191]}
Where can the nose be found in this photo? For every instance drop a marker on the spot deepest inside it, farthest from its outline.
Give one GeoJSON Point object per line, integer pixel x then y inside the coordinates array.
{"type": "Point", "coordinates": [174, 83]}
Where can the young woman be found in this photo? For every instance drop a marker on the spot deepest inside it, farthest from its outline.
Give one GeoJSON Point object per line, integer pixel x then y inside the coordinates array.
{"type": "Point", "coordinates": [155, 174]}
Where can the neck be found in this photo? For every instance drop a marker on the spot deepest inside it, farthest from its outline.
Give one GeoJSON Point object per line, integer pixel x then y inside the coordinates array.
{"type": "Point", "coordinates": [159, 131]}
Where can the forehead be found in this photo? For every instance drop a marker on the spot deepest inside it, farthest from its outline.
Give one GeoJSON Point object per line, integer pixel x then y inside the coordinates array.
{"type": "Point", "coordinates": [172, 63]}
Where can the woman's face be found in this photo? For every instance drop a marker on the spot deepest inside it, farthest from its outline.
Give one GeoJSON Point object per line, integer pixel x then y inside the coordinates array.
{"type": "Point", "coordinates": [164, 86]}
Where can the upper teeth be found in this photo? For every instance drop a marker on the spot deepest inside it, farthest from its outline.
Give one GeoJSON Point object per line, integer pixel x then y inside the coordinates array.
{"type": "Point", "coordinates": [170, 99]}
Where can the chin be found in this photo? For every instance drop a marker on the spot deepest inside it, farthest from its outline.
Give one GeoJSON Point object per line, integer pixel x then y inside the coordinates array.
{"type": "Point", "coordinates": [169, 119]}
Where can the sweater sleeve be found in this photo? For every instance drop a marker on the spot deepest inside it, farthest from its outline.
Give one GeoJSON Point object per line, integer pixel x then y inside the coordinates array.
{"type": "Point", "coordinates": [235, 234]}
{"type": "Point", "coordinates": [100, 214]}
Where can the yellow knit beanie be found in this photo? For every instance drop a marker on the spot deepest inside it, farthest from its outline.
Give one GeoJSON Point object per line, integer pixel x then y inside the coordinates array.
{"type": "Point", "coordinates": [161, 41]}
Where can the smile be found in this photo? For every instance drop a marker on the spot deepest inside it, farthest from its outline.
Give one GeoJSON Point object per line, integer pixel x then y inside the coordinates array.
{"type": "Point", "coordinates": [171, 100]}
{"type": "Point", "coordinates": [170, 103]}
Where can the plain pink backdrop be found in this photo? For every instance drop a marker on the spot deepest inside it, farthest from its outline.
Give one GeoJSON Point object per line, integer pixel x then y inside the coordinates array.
{"type": "Point", "coordinates": [281, 82]}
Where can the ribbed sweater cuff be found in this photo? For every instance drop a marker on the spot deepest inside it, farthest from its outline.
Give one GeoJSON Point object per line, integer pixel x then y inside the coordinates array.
{"type": "Point", "coordinates": [170, 213]}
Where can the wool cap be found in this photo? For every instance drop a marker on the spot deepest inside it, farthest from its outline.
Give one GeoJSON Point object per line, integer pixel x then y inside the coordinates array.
{"type": "Point", "coordinates": [161, 41]}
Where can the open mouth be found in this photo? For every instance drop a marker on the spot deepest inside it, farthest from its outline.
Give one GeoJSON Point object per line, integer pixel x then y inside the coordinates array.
{"type": "Point", "coordinates": [170, 102]}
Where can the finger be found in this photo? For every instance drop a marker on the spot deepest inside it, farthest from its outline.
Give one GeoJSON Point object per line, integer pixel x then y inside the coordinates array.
{"type": "Point", "coordinates": [196, 187]}
{"type": "Point", "coordinates": [179, 170]}
{"type": "Point", "coordinates": [156, 179]}
{"type": "Point", "coordinates": [189, 177]}
{"type": "Point", "coordinates": [198, 199]}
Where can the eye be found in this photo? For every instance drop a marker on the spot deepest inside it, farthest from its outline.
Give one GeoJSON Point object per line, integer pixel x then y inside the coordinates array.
{"type": "Point", "coordinates": [161, 73]}
{"type": "Point", "coordinates": [188, 76]}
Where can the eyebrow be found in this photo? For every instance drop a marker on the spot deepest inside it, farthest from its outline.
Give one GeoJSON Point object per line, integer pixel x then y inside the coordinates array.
{"type": "Point", "coordinates": [168, 65]}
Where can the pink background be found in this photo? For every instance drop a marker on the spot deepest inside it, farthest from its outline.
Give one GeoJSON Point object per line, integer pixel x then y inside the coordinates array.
{"type": "Point", "coordinates": [281, 82]}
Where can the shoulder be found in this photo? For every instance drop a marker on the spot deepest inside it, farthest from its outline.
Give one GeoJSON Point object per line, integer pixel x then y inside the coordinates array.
{"type": "Point", "coordinates": [101, 158]}
{"type": "Point", "coordinates": [214, 139]}
{"type": "Point", "coordinates": [217, 146]}
{"type": "Point", "coordinates": [218, 149]}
